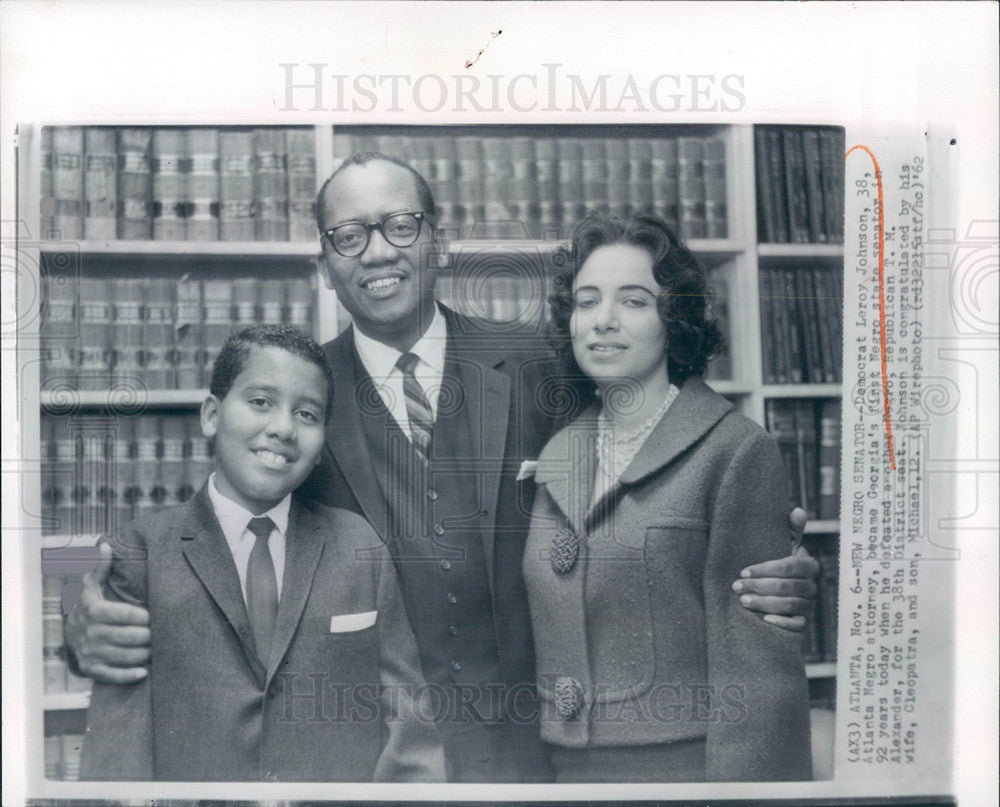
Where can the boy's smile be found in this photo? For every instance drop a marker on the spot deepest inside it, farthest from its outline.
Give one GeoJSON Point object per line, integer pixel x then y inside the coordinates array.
{"type": "Point", "coordinates": [268, 428]}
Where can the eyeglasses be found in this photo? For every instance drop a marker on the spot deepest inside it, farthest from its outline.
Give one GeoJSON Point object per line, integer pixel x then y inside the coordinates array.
{"type": "Point", "coordinates": [351, 239]}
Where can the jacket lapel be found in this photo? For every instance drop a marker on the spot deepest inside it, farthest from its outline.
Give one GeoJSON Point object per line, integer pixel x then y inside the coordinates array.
{"type": "Point", "coordinates": [692, 414]}
{"type": "Point", "coordinates": [567, 465]}
{"type": "Point", "coordinates": [345, 436]}
{"type": "Point", "coordinates": [208, 554]}
{"type": "Point", "coordinates": [303, 550]}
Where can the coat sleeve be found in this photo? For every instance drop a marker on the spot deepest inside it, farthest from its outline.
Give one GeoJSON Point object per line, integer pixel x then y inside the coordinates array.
{"type": "Point", "coordinates": [413, 751]}
{"type": "Point", "coordinates": [759, 720]}
{"type": "Point", "coordinates": [118, 743]}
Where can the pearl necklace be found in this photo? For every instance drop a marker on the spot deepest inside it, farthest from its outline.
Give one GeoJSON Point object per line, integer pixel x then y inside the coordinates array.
{"type": "Point", "coordinates": [617, 448]}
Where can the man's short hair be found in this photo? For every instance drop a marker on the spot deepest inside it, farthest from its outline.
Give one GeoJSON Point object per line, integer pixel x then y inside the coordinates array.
{"type": "Point", "coordinates": [236, 352]}
{"type": "Point", "coordinates": [424, 193]}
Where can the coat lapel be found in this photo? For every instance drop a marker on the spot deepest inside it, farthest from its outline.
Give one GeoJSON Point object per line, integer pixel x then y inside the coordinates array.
{"type": "Point", "coordinates": [567, 465]}
{"type": "Point", "coordinates": [345, 436]}
{"type": "Point", "coordinates": [303, 550]}
{"type": "Point", "coordinates": [208, 554]}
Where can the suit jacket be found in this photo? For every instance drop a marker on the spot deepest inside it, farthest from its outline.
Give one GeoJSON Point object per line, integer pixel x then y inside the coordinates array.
{"type": "Point", "coordinates": [640, 638]}
{"type": "Point", "coordinates": [211, 710]}
{"type": "Point", "coordinates": [515, 400]}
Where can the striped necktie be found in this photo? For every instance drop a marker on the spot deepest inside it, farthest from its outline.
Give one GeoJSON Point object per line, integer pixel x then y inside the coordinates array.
{"type": "Point", "coordinates": [418, 408]}
{"type": "Point", "coordinates": [262, 588]}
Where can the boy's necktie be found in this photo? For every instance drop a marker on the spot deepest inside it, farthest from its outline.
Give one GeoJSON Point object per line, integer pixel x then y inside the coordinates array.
{"type": "Point", "coordinates": [418, 408]}
{"type": "Point", "coordinates": [262, 588]}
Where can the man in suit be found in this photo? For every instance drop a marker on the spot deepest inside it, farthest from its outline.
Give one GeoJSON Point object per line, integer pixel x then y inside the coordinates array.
{"type": "Point", "coordinates": [435, 416]}
{"type": "Point", "coordinates": [281, 649]}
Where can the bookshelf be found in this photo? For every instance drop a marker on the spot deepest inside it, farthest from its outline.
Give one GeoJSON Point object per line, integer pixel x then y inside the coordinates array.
{"type": "Point", "coordinates": [507, 195]}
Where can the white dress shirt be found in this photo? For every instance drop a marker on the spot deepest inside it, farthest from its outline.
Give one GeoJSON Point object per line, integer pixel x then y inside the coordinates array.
{"type": "Point", "coordinates": [233, 518]}
{"type": "Point", "coordinates": [379, 361]}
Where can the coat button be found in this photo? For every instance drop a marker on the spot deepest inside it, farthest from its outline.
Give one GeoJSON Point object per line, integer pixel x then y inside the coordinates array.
{"type": "Point", "coordinates": [270, 777]}
{"type": "Point", "coordinates": [451, 598]}
{"type": "Point", "coordinates": [445, 564]}
{"type": "Point", "coordinates": [455, 666]}
{"type": "Point", "coordinates": [453, 630]}
{"type": "Point", "coordinates": [564, 551]}
{"type": "Point", "coordinates": [569, 697]}
{"type": "Point", "coordinates": [438, 529]}
{"type": "Point", "coordinates": [432, 495]}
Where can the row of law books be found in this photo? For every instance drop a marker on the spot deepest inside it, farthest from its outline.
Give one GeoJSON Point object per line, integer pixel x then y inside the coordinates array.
{"type": "Point", "coordinates": [800, 184]}
{"type": "Point", "coordinates": [161, 333]}
{"type": "Point", "coordinates": [57, 678]}
{"type": "Point", "coordinates": [819, 640]}
{"type": "Point", "coordinates": [100, 472]}
{"type": "Point", "coordinates": [807, 432]}
{"type": "Point", "coordinates": [549, 183]}
{"type": "Point", "coordinates": [62, 756]}
{"type": "Point", "coordinates": [179, 184]}
{"type": "Point", "coordinates": [801, 322]}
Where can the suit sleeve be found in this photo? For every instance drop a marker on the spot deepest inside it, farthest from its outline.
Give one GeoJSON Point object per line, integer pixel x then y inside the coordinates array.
{"type": "Point", "coordinates": [118, 744]}
{"type": "Point", "coordinates": [413, 751]}
{"type": "Point", "coordinates": [757, 680]}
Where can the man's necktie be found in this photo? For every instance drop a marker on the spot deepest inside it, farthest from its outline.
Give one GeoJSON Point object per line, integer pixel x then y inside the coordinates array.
{"type": "Point", "coordinates": [418, 408]}
{"type": "Point", "coordinates": [262, 588]}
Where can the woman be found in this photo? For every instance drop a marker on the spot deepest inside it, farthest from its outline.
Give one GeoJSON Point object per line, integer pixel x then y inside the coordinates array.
{"type": "Point", "coordinates": [648, 506]}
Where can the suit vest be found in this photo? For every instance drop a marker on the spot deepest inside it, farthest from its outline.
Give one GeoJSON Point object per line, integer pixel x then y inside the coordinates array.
{"type": "Point", "coordinates": [434, 516]}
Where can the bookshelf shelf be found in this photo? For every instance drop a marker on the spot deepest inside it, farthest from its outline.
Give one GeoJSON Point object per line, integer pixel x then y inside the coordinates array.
{"type": "Point", "coordinates": [64, 540]}
{"type": "Point", "coordinates": [164, 249]}
{"type": "Point", "coordinates": [801, 390]}
{"type": "Point", "coordinates": [66, 701]}
{"type": "Point", "coordinates": [821, 669]}
{"type": "Point", "coordinates": [106, 399]}
{"type": "Point", "coordinates": [800, 250]}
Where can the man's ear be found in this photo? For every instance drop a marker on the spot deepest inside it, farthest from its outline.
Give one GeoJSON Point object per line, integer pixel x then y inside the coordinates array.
{"type": "Point", "coordinates": [325, 272]}
{"type": "Point", "coordinates": [209, 416]}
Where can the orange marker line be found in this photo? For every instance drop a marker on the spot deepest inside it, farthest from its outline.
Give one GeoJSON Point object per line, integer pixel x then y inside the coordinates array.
{"type": "Point", "coordinates": [881, 299]}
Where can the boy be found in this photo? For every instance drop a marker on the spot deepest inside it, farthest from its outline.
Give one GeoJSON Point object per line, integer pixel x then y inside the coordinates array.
{"type": "Point", "coordinates": [281, 647]}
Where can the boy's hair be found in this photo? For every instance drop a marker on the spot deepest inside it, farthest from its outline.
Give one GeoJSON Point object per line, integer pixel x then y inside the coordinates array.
{"type": "Point", "coordinates": [236, 351]}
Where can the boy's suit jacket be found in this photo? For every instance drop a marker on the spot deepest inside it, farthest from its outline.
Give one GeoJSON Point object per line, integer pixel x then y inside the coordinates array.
{"type": "Point", "coordinates": [211, 710]}
{"type": "Point", "coordinates": [515, 400]}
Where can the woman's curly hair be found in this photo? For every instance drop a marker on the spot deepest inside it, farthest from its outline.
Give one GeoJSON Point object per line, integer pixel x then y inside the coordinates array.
{"type": "Point", "coordinates": [693, 338]}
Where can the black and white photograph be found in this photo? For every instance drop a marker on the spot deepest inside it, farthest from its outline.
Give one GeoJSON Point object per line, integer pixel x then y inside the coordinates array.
{"type": "Point", "coordinates": [528, 419]}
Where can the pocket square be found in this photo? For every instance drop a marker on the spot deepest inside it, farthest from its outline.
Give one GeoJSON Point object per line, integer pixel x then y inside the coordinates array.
{"type": "Point", "coordinates": [528, 468]}
{"type": "Point", "coordinates": [347, 623]}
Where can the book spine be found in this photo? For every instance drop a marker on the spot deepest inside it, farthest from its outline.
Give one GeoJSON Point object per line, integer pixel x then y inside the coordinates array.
{"type": "Point", "coordinates": [135, 185]}
{"type": "Point", "coordinates": [665, 194]}
{"type": "Point", "coordinates": [779, 327]}
{"type": "Point", "coordinates": [46, 186]}
{"type": "Point", "coordinates": [173, 438]}
{"type": "Point", "coordinates": [814, 188]}
{"type": "Point", "coordinates": [67, 455]}
{"type": "Point", "coordinates": [547, 175]}
{"type": "Point", "coordinates": [498, 178]}
{"type": "Point", "coordinates": [128, 331]}
{"type": "Point", "coordinates": [123, 473]}
{"type": "Point", "coordinates": [832, 181]}
{"type": "Point", "coordinates": [808, 455]}
{"type": "Point", "coordinates": [470, 209]}
{"type": "Point", "coordinates": [236, 186]}
{"type": "Point", "coordinates": [202, 220]}
{"type": "Point", "coordinates": [59, 326]}
{"type": "Point", "coordinates": [640, 176]}
{"type": "Point", "coordinates": [714, 169]}
{"type": "Point", "coordinates": [808, 322]}
{"type": "Point", "coordinates": [766, 213]}
{"type": "Point", "coordinates": [796, 224]}
{"type": "Point", "coordinates": [721, 366]}
{"type": "Point", "coordinates": [524, 205]}
{"type": "Point", "coordinates": [244, 303]}
{"type": "Point", "coordinates": [71, 747]}
{"type": "Point", "coordinates": [829, 459]}
{"type": "Point", "coordinates": [101, 184]}
{"type": "Point", "coordinates": [796, 357]}
{"type": "Point", "coordinates": [767, 334]}
{"type": "Point", "coordinates": [301, 295]}
{"type": "Point", "coordinates": [68, 180]}
{"type": "Point", "coordinates": [691, 187]}
{"type": "Point", "coordinates": [780, 419]}
{"type": "Point", "coordinates": [271, 301]}
{"type": "Point", "coordinates": [617, 173]}
{"type": "Point", "coordinates": [188, 336]}
{"type": "Point", "coordinates": [147, 466]}
{"type": "Point", "coordinates": [836, 282]}
{"type": "Point", "coordinates": [94, 352]}
{"type": "Point", "coordinates": [571, 202]}
{"type": "Point", "coordinates": [158, 334]}
{"type": "Point", "coordinates": [829, 346]}
{"type": "Point", "coordinates": [270, 184]}
{"type": "Point", "coordinates": [53, 667]}
{"type": "Point", "coordinates": [595, 173]}
{"type": "Point", "coordinates": [218, 307]}
{"type": "Point", "coordinates": [48, 484]}
{"type": "Point", "coordinates": [199, 458]}
{"type": "Point", "coordinates": [444, 155]}
{"type": "Point", "coordinates": [776, 171]}
{"type": "Point", "coordinates": [300, 145]}
{"type": "Point", "coordinates": [828, 580]}
{"type": "Point", "coordinates": [92, 488]}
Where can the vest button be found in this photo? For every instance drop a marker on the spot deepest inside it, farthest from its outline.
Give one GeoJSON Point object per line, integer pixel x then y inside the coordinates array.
{"type": "Point", "coordinates": [451, 598]}
{"type": "Point", "coordinates": [432, 495]}
{"type": "Point", "coordinates": [270, 777]}
{"type": "Point", "coordinates": [453, 630]}
{"type": "Point", "coordinates": [455, 666]}
{"type": "Point", "coordinates": [445, 564]}
{"type": "Point", "coordinates": [438, 529]}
